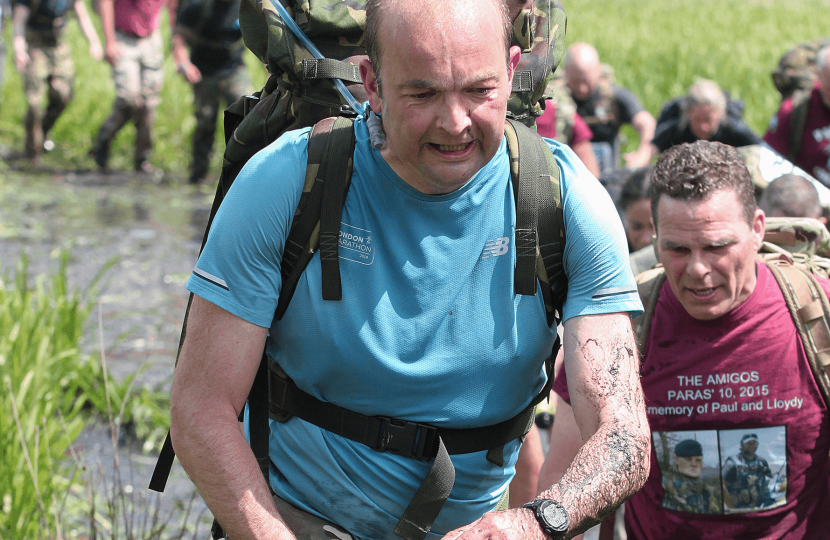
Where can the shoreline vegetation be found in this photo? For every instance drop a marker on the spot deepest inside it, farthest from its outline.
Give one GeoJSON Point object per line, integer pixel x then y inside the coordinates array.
{"type": "Point", "coordinates": [51, 391]}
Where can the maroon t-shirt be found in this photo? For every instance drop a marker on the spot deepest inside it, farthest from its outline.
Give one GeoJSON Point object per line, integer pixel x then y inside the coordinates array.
{"type": "Point", "coordinates": [814, 156]}
{"type": "Point", "coordinates": [546, 126]}
{"type": "Point", "coordinates": [137, 17]}
{"type": "Point", "coordinates": [723, 384]}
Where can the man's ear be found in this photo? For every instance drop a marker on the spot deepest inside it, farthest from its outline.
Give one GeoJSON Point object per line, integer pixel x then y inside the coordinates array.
{"type": "Point", "coordinates": [758, 224]}
{"type": "Point", "coordinates": [514, 54]}
{"type": "Point", "coordinates": [371, 85]}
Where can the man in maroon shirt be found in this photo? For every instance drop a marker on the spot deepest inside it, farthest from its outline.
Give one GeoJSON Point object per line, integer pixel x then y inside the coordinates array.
{"type": "Point", "coordinates": [722, 366]}
{"type": "Point", "coordinates": [134, 49]}
{"type": "Point", "coordinates": [814, 153]}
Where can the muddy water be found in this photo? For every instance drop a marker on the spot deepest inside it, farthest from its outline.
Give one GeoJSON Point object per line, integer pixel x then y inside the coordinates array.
{"type": "Point", "coordinates": [154, 232]}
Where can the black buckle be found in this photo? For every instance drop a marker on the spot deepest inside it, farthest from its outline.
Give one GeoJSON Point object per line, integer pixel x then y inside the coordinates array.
{"type": "Point", "coordinates": [408, 439]}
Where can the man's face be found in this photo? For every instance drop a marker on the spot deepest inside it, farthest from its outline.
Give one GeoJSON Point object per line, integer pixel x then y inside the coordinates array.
{"type": "Point", "coordinates": [748, 448]}
{"type": "Point", "coordinates": [824, 84]}
{"type": "Point", "coordinates": [704, 120]}
{"type": "Point", "coordinates": [445, 84]}
{"type": "Point", "coordinates": [689, 466]}
{"type": "Point", "coordinates": [582, 79]}
{"type": "Point", "coordinates": [638, 225]}
{"type": "Point", "coordinates": [708, 250]}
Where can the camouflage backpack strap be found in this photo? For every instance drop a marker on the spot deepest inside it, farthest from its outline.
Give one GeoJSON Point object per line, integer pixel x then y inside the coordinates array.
{"type": "Point", "coordinates": [540, 223]}
{"type": "Point", "coordinates": [316, 223]}
{"type": "Point", "coordinates": [540, 227]}
{"type": "Point", "coordinates": [798, 119]}
{"type": "Point", "coordinates": [649, 284]}
{"type": "Point", "coordinates": [810, 311]}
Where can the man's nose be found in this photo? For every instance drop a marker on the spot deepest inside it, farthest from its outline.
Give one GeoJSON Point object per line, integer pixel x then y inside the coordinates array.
{"type": "Point", "coordinates": [697, 265]}
{"type": "Point", "coordinates": [455, 115]}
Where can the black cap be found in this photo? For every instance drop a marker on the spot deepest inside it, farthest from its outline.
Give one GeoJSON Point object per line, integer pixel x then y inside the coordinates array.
{"type": "Point", "coordinates": [688, 448]}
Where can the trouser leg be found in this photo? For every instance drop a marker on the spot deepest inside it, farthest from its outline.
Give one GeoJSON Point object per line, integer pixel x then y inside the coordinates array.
{"type": "Point", "coordinates": [206, 100]}
{"type": "Point", "coordinates": [126, 76]}
{"type": "Point", "coordinates": [61, 78]}
{"type": "Point", "coordinates": [35, 86]}
{"type": "Point", "coordinates": [150, 51]}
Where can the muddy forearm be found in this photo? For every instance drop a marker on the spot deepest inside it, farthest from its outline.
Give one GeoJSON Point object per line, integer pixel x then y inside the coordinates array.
{"type": "Point", "coordinates": [610, 467]}
{"type": "Point", "coordinates": [613, 463]}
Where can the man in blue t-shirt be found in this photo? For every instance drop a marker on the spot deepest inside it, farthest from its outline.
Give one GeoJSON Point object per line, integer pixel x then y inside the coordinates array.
{"type": "Point", "coordinates": [429, 328]}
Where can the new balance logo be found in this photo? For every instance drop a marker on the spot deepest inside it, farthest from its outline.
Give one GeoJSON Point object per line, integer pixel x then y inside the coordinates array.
{"type": "Point", "coordinates": [494, 248]}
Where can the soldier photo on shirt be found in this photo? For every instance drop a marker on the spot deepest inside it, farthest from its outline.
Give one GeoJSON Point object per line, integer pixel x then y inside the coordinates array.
{"type": "Point", "coordinates": [754, 469]}
{"type": "Point", "coordinates": [689, 464]}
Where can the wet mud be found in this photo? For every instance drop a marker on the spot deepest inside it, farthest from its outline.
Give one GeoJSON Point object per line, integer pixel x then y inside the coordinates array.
{"type": "Point", "coordinates": [153, 229]}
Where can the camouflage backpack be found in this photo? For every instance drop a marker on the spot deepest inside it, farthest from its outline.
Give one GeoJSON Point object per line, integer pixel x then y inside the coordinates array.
{"type": "Point", "coordinates": [312, 51]}
{"type": "Point", "coordinates": [796, 68]}
{"type": "Point", "coordinates": [794, 78]}
{"type": "Point", "coordinates": [795, 250]}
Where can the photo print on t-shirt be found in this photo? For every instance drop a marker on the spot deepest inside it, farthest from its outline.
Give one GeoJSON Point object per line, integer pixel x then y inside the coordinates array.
{"type": "Point", "coordinates": [690, 465]}
{"type": "Point", "coordinates": [723, 471]}
{"type": "Point", "coordinates": [754, 469]}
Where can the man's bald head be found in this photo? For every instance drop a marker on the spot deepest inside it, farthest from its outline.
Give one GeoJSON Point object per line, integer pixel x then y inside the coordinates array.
{"type": "Point", "coordinates": [423, 10]}
{"type": "Point", "coordinates": [582, 70]}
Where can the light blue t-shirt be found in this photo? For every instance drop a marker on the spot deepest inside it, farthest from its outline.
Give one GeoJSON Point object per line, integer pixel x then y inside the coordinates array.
{"type": "Point", "coordinates": [429, 328]}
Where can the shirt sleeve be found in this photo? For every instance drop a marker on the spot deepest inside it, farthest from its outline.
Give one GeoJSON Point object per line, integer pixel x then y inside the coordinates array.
{"type": "Point", "coordinates": [778, 132]}
{"type": "Point", "coordinates": [596, 252]}
{"type": "Point", "coordinates": [581, 131]}
{"type": "Point", "coordinates": [664, 134]}
{"type": "Point", "coordinates": [239, 268]}
{"type": "Point", "coordinates": [628, 102]}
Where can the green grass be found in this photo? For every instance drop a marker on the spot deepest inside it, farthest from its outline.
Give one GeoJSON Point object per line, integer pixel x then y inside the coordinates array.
{"type": "Point", "coordinates": [49, 390]}
{"type": "Point", "coordinates": [657, 48]}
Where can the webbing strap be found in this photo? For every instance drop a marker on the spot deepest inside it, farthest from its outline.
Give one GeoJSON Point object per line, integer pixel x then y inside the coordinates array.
{"type": "Point", "coordinates": [401, 437]}
{"type": "Point", "coordinates": [329, 68]}
{"type": "Point", "coordinates": [522, 81]}
{"type": "Point", "coordinates": [258, 425]}
{"type": "Point", "coordinates": [163, 465]}
{"type": "Point", "coordinates": [532, 166]}
{"type": "Point", "coordinates": [416, 521]}
{"type": "Point", "coordinates": [335, 173]}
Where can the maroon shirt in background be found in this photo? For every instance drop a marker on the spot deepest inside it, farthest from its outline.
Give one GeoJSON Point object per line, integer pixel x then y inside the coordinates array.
{"type": "Point", "coordinates": [137, 17]}
{"type": "Point", "coordinates": [814, 156]}
{"type": "Point", "coordinates": [755, 346]}
{"type": "Point", "coordinates": [546, 126]}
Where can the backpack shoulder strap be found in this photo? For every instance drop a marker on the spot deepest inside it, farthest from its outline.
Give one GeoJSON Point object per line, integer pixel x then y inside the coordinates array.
{"type": "Point", "coordinates": [540, 223]}
{"type": "Point", "coordinates": [317, 219]}
{"type": "Point", "coordinates": [810, 311]}
{"type": "Point", "coordinates": [649, 284]}
{"type": "Point", "coordinates": [540, 227]}
{"type": "Point", "coordinates": [798, 118]}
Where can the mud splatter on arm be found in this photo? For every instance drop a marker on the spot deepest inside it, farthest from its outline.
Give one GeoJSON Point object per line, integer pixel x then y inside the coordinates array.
{"type": "Point", "coordinates": [603, 378]}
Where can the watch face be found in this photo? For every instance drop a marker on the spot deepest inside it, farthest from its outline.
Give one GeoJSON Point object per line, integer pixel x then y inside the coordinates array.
{"type": "Point", "coordinates": [556, 516]}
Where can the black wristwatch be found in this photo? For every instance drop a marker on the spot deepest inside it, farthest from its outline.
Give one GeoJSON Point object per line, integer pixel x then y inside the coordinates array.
{"type": "Point", "coordinates": [552, 517]}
